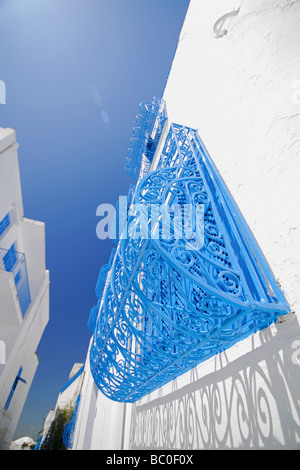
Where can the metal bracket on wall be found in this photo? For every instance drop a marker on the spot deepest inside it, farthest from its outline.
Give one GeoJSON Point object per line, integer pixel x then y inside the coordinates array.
{"type": "Point", "coordinates": [218, 31]}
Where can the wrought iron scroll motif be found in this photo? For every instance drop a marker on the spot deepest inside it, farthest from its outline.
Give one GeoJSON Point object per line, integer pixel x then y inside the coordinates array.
{"type": "Point", "coordinates": [167, 307]}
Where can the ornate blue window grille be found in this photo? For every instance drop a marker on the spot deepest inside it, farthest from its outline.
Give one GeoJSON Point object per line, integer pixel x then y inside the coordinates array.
{"type": "Point", "coordinates": [170, 304]}
{"type": "Point", "coordinates": [14, 261]}
{"type": "Point", "coordinates": [147, 130]}
{"type": "Point", "coordinates": [68, 436]}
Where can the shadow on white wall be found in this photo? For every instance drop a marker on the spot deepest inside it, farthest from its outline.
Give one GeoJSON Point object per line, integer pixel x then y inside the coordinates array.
{"type": "Point", "coordinates": [252, 402]}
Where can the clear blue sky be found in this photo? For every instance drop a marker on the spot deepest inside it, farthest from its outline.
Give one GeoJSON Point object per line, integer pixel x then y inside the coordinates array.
{"type": "Point", "coordinates": [75, 73]}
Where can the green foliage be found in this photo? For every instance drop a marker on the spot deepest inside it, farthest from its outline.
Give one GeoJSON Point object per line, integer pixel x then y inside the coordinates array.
{"type": "Point", "coordinates": [54, 440]}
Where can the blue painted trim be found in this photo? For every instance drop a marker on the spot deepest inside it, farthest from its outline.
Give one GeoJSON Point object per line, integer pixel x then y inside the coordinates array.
{"type": "Point", "coordinates": [38, 444]}
{"type": "Point", "coordinates": [5, 223]}
{"type": "Point", "coordinates": [68, 436]}
{"type": "Point", "coordinates": [75, 377]}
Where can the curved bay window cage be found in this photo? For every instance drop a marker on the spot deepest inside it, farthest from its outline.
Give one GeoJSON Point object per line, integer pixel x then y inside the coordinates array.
{"type": "Point", "coordinates": [182, 288]}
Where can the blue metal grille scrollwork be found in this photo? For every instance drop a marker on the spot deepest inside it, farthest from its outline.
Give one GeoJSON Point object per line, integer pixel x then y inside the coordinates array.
{"type": "Point", "coordinates": [170, 303]}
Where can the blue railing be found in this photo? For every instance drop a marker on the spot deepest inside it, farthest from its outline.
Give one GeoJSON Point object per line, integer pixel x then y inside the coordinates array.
{"type": "Point", "coordinates": [13, 261]}
{"type": "Point", "coordinates": [147, 130]}
{"type": "Point", "coordinates": [174, 301]}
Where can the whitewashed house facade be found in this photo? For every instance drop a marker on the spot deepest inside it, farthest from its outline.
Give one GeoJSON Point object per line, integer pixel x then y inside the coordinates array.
{"type": "Point", "coordinates": [24, 291]}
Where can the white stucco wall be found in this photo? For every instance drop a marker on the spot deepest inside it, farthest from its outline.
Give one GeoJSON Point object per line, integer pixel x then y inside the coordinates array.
{"type": "Point", "coordinates": [242, 92]}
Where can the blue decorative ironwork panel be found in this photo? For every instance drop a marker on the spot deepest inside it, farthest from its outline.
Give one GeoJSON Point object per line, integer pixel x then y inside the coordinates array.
{"type": "Point", "coordinates": [147, 130]}
{"type": "Point", "coordinates": [186, 288]}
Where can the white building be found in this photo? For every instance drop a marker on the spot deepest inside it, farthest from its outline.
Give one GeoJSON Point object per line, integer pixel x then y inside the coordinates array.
{"type": "Point", "coordinates": [24, 291]}
{"type": "Point", "coordinates": [235, 77]}
{"type": "Point", "coordinates": [67, 398]}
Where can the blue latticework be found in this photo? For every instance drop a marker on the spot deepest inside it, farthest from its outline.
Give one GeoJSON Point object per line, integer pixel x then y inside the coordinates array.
{"type": "Point", "coordinates": [171, 302]}
{"type": "Point", "coordinates": [68, 436]}
{"type": "Point", "coordinates": [147, 130]}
